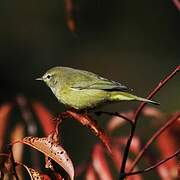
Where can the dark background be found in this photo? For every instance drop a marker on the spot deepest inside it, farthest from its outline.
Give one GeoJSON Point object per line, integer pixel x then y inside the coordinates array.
{"type": "Point", "coordinates": [134, 42]}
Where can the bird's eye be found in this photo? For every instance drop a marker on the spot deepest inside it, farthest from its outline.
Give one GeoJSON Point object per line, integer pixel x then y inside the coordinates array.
{"type": "Point", "coordinates": [48, 76]}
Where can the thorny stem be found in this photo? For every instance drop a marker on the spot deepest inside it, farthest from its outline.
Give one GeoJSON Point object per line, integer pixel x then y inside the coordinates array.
{"type": "Point", "coordinates": [115, 114]}
{"type": "Point", "coordinates": [154, 166]}
{"type": "Point", "coordinates": [136, 116]}
{"type": "Point", "coordinates": [154, 137]}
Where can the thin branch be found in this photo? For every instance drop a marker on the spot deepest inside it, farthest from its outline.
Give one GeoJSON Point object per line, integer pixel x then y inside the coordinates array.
{"type": "Point", "coordinates": [98, 113]}
{"type": "Point", "coordinates": [154, 166]}
{"type": "Point", "coordinates": [136, 116]}
{"type": "Point", "coordinates": [153, 138]}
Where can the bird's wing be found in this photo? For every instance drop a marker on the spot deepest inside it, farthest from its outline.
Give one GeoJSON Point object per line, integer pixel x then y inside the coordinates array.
{"type": "Point", "coordinates": [90, 80]}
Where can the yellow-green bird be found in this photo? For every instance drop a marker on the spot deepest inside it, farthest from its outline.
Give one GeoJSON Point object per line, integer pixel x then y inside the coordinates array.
{"type": "Point", "coordinates": [85, 90]}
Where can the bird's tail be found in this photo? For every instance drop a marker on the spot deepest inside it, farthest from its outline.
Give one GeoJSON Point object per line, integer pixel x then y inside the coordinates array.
{"type": "Point", "coordinates": [124, 96]}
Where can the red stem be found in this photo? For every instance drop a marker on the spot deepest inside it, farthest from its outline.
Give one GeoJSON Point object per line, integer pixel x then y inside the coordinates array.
{"type": "Point", "coordinates": [136, 116]}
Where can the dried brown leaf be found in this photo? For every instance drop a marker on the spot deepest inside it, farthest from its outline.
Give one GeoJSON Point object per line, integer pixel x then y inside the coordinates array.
{"type": "Point", "coordinates": [53, 150]}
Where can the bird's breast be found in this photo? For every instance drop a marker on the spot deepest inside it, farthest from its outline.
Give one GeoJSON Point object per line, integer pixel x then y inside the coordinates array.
{"type": "Point", "coordinates": [82, 99]}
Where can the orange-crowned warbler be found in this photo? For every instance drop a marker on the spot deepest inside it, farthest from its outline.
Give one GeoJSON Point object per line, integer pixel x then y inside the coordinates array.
{"type": "Point", "coordinates": [85, 90]}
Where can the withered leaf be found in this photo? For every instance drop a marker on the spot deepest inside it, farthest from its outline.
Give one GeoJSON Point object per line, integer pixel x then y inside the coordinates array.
{"type": "Point", "coordinates": [52, 150]}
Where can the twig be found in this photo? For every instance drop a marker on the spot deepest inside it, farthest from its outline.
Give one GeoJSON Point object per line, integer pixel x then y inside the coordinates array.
{"type": "Point", "coordinates": [154, 166]}
{"type": "Point", "coordinates": [98, 113]}
{"type": "Point", "coordinates": [154, 137]}
{"type": "Point", "coordinates": [136, 116]}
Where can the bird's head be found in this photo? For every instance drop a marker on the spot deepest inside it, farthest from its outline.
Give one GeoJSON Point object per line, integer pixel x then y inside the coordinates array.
{"type": "Point", "coordinates": [51, 77]}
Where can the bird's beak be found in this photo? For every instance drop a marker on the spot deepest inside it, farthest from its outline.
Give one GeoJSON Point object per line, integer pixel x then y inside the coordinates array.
{"type": "Point", "coordinates": [39, 79]}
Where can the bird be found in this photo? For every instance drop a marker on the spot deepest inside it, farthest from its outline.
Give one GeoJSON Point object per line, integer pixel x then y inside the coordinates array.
{"type": "Point", "coordinates": [83, 90]}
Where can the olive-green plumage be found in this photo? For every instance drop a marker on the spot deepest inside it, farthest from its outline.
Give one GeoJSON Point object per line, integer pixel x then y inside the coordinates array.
{"type": "Point", "coordinates": [83, 90]}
